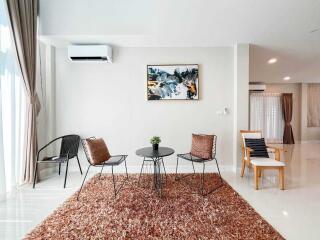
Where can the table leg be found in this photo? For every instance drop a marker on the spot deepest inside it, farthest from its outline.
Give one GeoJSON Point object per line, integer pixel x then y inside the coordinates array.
{"type": "Point", "coordinates": [141, 170]}
{"type": "Point", "coordinates": [164, 169]}
{"type": "Point", "coordinates": [157, 175]}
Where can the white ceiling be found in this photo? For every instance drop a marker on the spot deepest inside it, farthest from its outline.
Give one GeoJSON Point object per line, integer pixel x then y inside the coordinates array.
{"type": "Point", "coordinates": [275, 28]}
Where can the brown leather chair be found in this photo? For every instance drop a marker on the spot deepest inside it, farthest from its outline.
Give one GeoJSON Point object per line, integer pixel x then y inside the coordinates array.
{"type": "Point", "coordinates": [112, 161]}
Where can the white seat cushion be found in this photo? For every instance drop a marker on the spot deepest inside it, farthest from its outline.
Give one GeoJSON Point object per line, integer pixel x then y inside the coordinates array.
{"type": "Point", "coordinates": [266, 162]}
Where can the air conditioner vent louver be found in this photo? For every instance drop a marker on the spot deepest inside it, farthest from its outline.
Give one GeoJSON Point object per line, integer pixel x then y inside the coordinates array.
{"type": "Point", "coordinates": [89, 58]}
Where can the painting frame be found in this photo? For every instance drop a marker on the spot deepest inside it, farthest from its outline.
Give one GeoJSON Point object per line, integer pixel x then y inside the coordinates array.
{"type": "Point", "coordinates": [190, 91]}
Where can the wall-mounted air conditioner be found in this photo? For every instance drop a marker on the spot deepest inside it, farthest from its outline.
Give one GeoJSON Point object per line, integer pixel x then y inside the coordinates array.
{"type": "Point", "coordinates": [90, 53]}
{"type": "Point", "coordinates": [257, 87]}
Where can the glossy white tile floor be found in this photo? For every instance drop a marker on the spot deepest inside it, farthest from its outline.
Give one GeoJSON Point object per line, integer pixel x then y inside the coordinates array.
{"type": "Point", "coordinates": [295, 212]}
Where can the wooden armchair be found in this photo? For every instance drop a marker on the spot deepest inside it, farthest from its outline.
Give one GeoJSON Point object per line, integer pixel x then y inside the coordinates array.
{"type": "Point", "coordinates": [260, 164]}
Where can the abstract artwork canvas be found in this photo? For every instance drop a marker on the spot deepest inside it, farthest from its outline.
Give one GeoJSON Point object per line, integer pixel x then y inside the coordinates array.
{"type": "Point", "coordinates": [173, 82]}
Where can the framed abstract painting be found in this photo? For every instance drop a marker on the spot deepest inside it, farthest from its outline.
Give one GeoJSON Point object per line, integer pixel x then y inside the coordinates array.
{"type": "Point", "coordinates": [173, 82]}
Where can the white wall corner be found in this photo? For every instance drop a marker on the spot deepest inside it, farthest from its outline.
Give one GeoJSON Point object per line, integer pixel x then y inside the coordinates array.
{"type": "Point", "coordinates": [50, 92]}
{"type": "Point", "coordinates": [241, 98]}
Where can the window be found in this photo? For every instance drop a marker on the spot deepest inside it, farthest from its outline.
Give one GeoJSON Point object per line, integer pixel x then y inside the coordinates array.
{"type": "Point", "coordinates": [313, 105]}
{"type": "Point", "coordinates": [12, 111]}
{"type": "Point", "coordinates": [266, 115]}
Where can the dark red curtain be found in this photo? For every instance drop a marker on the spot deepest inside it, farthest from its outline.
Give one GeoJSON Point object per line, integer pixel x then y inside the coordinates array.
{"type": "Point", "coordinates": [287, 105]}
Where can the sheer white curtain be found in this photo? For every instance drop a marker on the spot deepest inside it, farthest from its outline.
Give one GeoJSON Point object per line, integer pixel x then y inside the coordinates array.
{"type": "Point", "coordinates": [12, 112]}
{"type": "Point", "coordinates": [266, 115]}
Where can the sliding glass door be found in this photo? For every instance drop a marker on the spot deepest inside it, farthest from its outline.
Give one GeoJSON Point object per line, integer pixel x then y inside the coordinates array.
{"type": "Point", "coordinates": [12, 111]}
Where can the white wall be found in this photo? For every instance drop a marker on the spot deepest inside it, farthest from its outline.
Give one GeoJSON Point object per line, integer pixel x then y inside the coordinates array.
{"type": "Point", "coordinates": [45, 120]}
{"type": "Point", "coordinates": [98, 17]}
{"type": "Point", "coordinates": [109, 101]}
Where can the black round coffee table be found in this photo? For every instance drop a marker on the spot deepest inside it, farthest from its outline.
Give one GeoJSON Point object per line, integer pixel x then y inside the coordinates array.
{"type": "Point", "coordinates": [155, 156]}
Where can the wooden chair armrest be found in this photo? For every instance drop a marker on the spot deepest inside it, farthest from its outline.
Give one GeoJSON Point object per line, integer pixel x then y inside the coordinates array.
{"type": "Point", "coordinates": [248, 149]}
{"type": "Point", "coordinates": [277, 151]}
{"type": "Point", "coordinates": [276, 148]}
{"type": "Point", "coordinates": [271, 150]}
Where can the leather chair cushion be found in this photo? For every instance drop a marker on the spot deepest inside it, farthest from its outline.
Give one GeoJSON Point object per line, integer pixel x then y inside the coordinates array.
{"type": "Point", "coordinates": [97, 150]}
{"type": "Point", "coordinates": [202, 146]}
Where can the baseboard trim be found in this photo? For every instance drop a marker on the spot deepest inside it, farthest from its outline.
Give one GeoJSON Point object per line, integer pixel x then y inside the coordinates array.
{"type": "Point", "coordinates": [47, 172]}
{"type": "Point", "coordinates": [135, 167]}
{"type": "Point", "coordinates": [169, 169]}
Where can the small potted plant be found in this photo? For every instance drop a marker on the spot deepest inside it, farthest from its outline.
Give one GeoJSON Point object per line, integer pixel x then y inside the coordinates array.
{"type": "Point", "coordinates": [155, 140]}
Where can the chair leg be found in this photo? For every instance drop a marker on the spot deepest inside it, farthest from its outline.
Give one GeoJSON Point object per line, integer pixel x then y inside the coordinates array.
{"type": "Point", "coordinates": [194, 171]}
{"type": "Point", "coordinates": [79, 164]}
{"type": "Point", "coordinates": [218, 170]}
{"type": "Point", "coordinates": [114, 183]}
{"type": "Point", "coordinates": [125, 163]}
{"type": "Point", "coordinates": [83, 181]}
{"type": "Point", "coordinates": [141, 170]}
{"type": "Point", "coordinates": [120, 185]}
{"type": "Point", "coordinates": [101, 172]}
{"type": "Point", "coordinates": [281, 178]}
{"type": "Point", "coordinates": [66, 175]}
{"type": "Point", "coordinates": [35, 175]}
{"type": "Point", "coordinates": [243, 166]}
{"type": "Point", "coordinates": [256, 178]}
{"type": "Point", "coordinates": [59, 168]}
{"type": "Point", "coordinates": [176, 178]}
{"type": "Point", "coordinates": [202, 179]}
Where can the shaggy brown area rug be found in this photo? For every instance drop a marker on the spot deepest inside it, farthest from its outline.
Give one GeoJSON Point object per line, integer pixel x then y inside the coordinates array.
{"type": "Point", "coordinates": [138, 213]}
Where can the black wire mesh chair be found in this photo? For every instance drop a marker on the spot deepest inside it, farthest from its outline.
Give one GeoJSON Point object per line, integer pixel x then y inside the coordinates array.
{"type": "Point", "coordinates": [112, 161]}
{"type": "Point", "coordinates": [68, 150]}
{"type": "Point", "coordinates": [194, 159]}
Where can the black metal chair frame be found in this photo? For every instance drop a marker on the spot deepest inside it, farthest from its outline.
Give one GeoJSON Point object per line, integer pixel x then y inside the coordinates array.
{"type": "Point", "coordinates": [193, 159]}
{"type": "Point", "coordinates": [123, 158]}
{"type": "Point", "coordinates": [61, 159]}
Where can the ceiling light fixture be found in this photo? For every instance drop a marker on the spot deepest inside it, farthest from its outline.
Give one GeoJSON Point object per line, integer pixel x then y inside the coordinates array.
{"type": "Point", "coordinates": [272, 60]}
{"type": "Point", "coordinates": [287, 78]}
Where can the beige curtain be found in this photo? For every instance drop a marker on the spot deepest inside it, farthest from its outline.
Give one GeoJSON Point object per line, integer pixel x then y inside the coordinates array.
{"type": "Point", "coordinates": [313, 105]}
{"type": "Point", "coordinates": [23, 21]}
